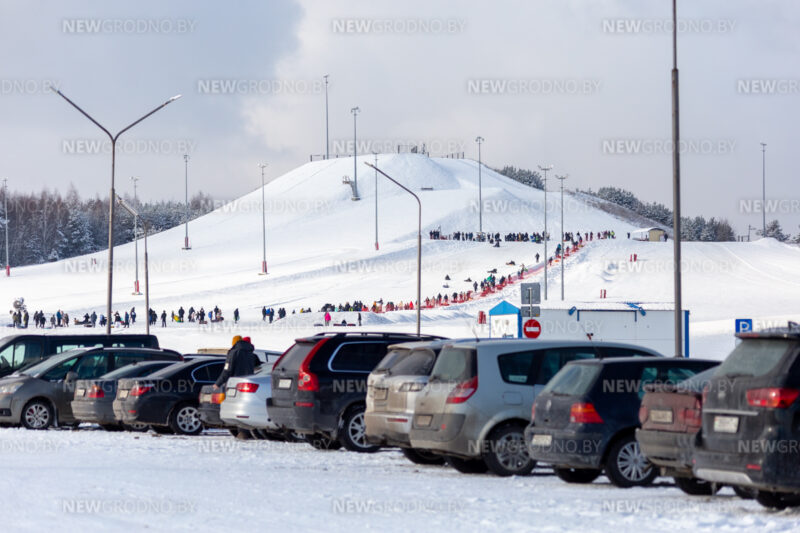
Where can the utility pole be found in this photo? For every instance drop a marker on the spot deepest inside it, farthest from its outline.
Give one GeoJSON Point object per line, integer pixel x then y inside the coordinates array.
{"type": "Point", "coordinates": [134, 179]}
{"type": "Point", "coordinates": [355, 112]}
{"type": "Point", "coordinates": [544, 237]}
{"type": "Point", "coordinates": [5, 217]}
{"type": "Point", "coordinates": [376, 199]}
{"type": "Point", "coordinates": [562, 178]}
{"type": "Point", "coordinates": [186, 215]}
{"type": "Point", "coordinates": [327, 142]}
{"type": "Point", "coordinates": [263, 222]}
{"type": "Point", "coordinates": [479, 140]}
{"type": "Point", "coordinates": [749, 229]}
{"type": "Point", "coordinates": [676, 186]}
{"type": "Point", "coordinates": [763, 189]}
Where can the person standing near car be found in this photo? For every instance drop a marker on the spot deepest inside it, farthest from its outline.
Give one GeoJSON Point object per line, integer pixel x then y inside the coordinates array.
{"type": "Point", "coordinates": [241, 361]}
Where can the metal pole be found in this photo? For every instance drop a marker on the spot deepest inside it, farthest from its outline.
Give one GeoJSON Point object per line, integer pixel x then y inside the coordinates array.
{"type": "Point", "coordinates": [146, 279]}
{"type": "Point", "coordinates": [263, 222]}
{"type": "Point", "coordinates": [113, 194]}
{"type": "Point", "coordinates": [479, 140]}
{"type": "Point", "coordinates": [562, 178]}
{"type": "Point", "coordinates": [186, 215]}
{"type": "Point", "coordinates": [136, 239]}
{"type": "Point", "coordinates": [327, 142]}
{"type": "Point", "coordinates": [5, 216]}
{"type": "Point", "coordinates": [676, 186]}
{"type": "Point", "coordinates": [355, 112]}
{"type": "Point", "coordinates": [376, 201]}
{"type": "Point", "coordinates": [763, 189]}
{"type": "Point", "coordinates": [419, 242]}
{"type": "Point", "coordinates": [545, 169]}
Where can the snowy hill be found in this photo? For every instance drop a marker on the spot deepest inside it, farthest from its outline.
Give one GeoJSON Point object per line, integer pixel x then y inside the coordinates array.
{"type": "Point", "coordinates": [320, 249]}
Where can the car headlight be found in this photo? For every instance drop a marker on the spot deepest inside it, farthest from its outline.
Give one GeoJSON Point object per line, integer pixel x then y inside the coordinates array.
{"type": "Point", "coordinates": [11, 388]}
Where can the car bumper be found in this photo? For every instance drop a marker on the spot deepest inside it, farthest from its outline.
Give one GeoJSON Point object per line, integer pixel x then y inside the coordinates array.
{"type": "Point", "coordinates": [248, 414]}
{"type": "Point", "coordinates": [94, 412]}
{"type": "Point", "coordinates": [142, 411]}
{"type": "Point", "coordinates": [305, 419]}
{"type": "Point", "coordinates": [666, 449]}
{"type": "Point", "coordinates": [389, 429]}
{"type": "Point", "coordinates": [209, 414]}
{"type": "Point", "coordinates": [448, 433]}
{"type": "Point", "coordinates": [770, 471]}
{"type": "Point", "coordinates": [10, 409]}
{"type": "Point", "coordinates": [565, 447]}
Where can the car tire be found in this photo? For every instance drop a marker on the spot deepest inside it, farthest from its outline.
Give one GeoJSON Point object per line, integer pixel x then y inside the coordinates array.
{"type": "Point", "coordinates": [185, 420]}
{"type": "Point", "coordinates": [626, 466]}
{"type": "Point", "coordinates": [111, 427]}
{"type": "Point", "coordinates": [577, 475]}
{"type": "Point", "coordinates": [422, 457]}
{"type": "Point", "coordinates": [353, 432]}
{"type": "Point", "coordinates": [777, 500]}
{"type": "Point", "coordinates": [507, 454]}
{"type": "Point", "coordinates": [37, 414]}
{"type": "Point", "coordinates": [162, 430]}
{"type": "Point", "coordinates": [744, 492]}
{"type": "Point", "coordinates": [136, 427]}
{"type": "Point", "coordinates": [468, 466]}
{"type": "Point", "coordinates": [696, 487]}
{"type": "Point", "coordinates": [233, 431]}
{"type": "Point", "coordinates": [321, 442]}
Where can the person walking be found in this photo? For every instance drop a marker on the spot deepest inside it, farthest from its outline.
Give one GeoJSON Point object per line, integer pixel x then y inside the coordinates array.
{"type": "Point", "coordinates": [327, 319]}
{"type": "Point", "coordinates": [163, 318]}
{"type": "Point", "coordinates": [236, 316]}
{"type": "Point", "coordinates": [359, 319]}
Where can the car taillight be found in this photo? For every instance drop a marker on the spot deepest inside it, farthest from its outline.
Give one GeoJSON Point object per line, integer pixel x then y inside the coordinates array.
{"type": "Point", "coordinates": [247, 387]}
{"type": "Point", "coordinates": [139, 390]}
{"type": "Point", "coordinates": [463, 391]}
{"type": "Point", "coordinates": [217, 397]}
{"type": "Point", "coordinates": [705, 394]}
{"type": "Point", "coordinates": [533, 412]}
{"type": "Point", "coordinates": [643, 411]}
{"type": "Point", "coordinates": [772, 397]}
{"type": "Point", "coordinates": [306, 380]}
{"type": "Point", "coordinates": [96, 392]}
{"type": "Point", "coordinates": [693, 417]}
{"type": "Point", "coordinates": [584, 413]}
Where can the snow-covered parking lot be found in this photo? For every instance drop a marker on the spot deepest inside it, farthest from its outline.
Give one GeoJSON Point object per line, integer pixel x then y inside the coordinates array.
{"type": "Point", "coordinates": [92, 480]}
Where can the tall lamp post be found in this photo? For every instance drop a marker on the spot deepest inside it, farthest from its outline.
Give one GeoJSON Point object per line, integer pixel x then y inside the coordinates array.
{"type": "Point", "coordinates": [676, 187]}
{"type": "Point", "coordinates": [763, 189]}
{"type": "Point", "coordinates": [419, 241]}
{"type": "Point", "coordinates": [545, 170]}
{"type": "Point", "coordinates": [561, 179]}
{"type": "Point", "coordinates": [263, 222]}
{"type": "Point", "coordinates": [479, 140]}
{"type": "Point", "coordinates": [135, 214]}
{"type": "Point", "coordinates": [134, 179]}
{"type": "Point", "coordinates": [5, 221]}
{"type": "Point", "coordinates": [355, 111]}
{"type": "Point", "coordinates": [376, 199]}
{"type": "Point", "coordinates": [186, 214]}
{"type": "Point", "coordinates": [113, 193]}
{"type": "Point", "coordinates": [327, 142]}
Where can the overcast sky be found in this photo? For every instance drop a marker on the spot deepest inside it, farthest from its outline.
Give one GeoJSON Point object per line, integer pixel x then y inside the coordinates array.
{"type": "Point", "coordinates": [582, 85]}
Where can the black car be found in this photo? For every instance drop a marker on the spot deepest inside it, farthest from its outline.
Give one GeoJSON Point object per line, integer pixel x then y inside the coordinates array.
{"type": "Point", "coordinates": [751, 419]}
{"type": "Point", "coordinates": [167, 399]}
{"type": "Point", "coordinates": [319, 386]}
{"type": "Point", "coordinates": [584, 419]}
{"type": "Point", "coordinates": [94, 398]}
{"type": "Point", "coordinates": [19, 351]}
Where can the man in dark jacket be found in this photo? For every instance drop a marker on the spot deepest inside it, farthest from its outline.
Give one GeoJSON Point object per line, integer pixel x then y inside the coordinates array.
{"type": "Point", "coordinates": [241, 361]}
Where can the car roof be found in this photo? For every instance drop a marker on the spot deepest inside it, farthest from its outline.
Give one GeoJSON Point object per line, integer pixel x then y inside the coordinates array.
{"type": "Point", "coordinates": [433, 344]}
{"type": "Point", "coordinates": [367, 335]}
{"type": "Point", "coordinates": [180, 365]}
{"type": "Point", "coordinates": [791, 331]}
{"type": "Point", "coordinates": [640, 361]}
{"type": "Point", "coordinates": [540, 344]}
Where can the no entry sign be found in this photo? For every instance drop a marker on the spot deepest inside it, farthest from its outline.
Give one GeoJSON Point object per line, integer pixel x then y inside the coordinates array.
{"type": "Point", "coordinates": [531, 329]}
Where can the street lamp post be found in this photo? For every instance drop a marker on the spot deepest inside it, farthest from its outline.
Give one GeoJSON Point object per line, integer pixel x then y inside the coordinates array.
{"type": "Point", "coordinates": [419, 242]}
{"type": "Point", "coordinates": [355, 112]}
{"type": "Point", "coordinates": [186, 214]}
{"type": "Point", "coordinates": [676, 187]}
{"type": "Point", "coordinates": [561, 179]}
{"type": "Point", "coordinates": [479, 140]}
{"type": "Point", "coordinates": [544, 237]}
{"type": "Point", "coordinates": [376, 200]}
{"type": "Point", "coordinates": [327, 142]}
{"type": "Point", "coordinates": [134, 179]}
{"type": "Point", "coordinates": [5, 221]}
{"type": "Point", "coordinates": [263, 222]}
{"type": "Point", "coordinates": [763, 189]}
{"type": "Point", "coordinates": [113, 194]}
{"type": "Point", "coordinates": [135, 214]}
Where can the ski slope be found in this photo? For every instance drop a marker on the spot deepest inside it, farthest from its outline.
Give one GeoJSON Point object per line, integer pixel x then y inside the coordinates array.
{"type": "Point", "coordinates": [321, 249]}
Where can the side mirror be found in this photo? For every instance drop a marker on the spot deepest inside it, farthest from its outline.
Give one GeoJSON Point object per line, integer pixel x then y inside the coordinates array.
{"type": "Point", "coordinates": [71, 377]}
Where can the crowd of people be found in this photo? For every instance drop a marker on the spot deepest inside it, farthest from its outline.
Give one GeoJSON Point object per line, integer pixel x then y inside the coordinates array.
{"type": "Point", "coordinates": [522, 236]}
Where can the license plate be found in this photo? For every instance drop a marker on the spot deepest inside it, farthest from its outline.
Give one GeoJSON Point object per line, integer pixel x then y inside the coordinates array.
{"type": "Point", "coordinates": [661, 416]}
{"type": "Point", "coordinates": [726, 424]}
{"type": "Point", "coordinates": [380, 394]}
{"type": "Point", "coordinates": [230, 393]}
{"type": "Point", "coordinates": [285, 383]}
{"type": "Point", "coordinates": [123, 394]}
{"type": "Point", "coordinates": [542, 440]}
{"type": "Point", "coordinates": [424, 420]}
{"type": "Point", "coordinates": [80, 392]}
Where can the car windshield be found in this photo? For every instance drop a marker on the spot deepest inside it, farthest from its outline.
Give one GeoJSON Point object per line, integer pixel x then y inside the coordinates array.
{"type": "Point", "coordinates": [392, 358]}
{"type": "Point", "coordinates": [418, 363]}
{"type": "Point", "coordinates": [573, 380]}
{"type": "Point", "coordinates": [455, 364]}
{"type": "Point", "coordinates": [755, 357]}
{"type": "Point", "coordinates": [43, 366]}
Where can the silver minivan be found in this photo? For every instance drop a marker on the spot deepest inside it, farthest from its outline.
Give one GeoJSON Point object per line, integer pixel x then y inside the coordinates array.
{"type": "Point", "coordinates": [478, 399]}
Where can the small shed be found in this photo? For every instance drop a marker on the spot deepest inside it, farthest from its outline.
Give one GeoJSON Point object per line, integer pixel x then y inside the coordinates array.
{"type": "Point", "coordinates": [505, 321]}
{"type": "Point", "coordinates": [649, 234]}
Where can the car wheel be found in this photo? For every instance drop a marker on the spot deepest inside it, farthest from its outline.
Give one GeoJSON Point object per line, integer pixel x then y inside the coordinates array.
{"type": "Point", "coordinates": [777, 500]}
{"type": "Point", "coordinates": [111, 427]}
{"type": "Point", "coordinates": [136, 426]}
{"type": "Point", "coordinates": [577, 475]}
{"type": "Point", "coordinates": [508, 454]}
{"type": "Point", "coordinates": [353, 432]}
{"type": "Point", "coordinates": [185, 420]}
{"type": "Point", "coordinates": [233, 431]}
{"type": "Point", "coordinates": [421, 457]}
{"type": "Point", "coordinates": [696, 487]}
{"type": "Point", "coordinates": [37, 414]}
{"type": "Point", "coordinates": [467, 466]}
{"type": "Point", "coordinates": [321, 442]}
{"type": "Point", "coordinates": [162, 430]}
{"type": "Point", "coordinates": [626, 465]}
{"type": "Point", "coordinates": [744, 492]}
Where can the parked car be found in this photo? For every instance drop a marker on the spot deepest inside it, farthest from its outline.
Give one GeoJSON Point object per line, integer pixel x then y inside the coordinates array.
{"type": "Point", "coordinates": [585, 419]}
{"type": "Point", "coordinates": [320, 386]}
{"type": "Point", "coordinates": [245, 404]}
{"type": "Point", "coordinates": [392, 389]}
{"type": "Point", "coordinates": [41, 395]}
{"type": "Point", "coordinates": [478, 399]}
{"type": "Point", "coordinates": [19, 351]}
{"type": "Point", "coordinates": [167, 399]}
{"type": "Point", "coordinates": [94, 398]}
{"type": "Point", "coordinates": [750, 430]}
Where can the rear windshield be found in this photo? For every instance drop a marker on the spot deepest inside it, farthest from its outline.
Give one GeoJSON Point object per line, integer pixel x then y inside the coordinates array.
{"type": "Point", "coordinates": [697, 382]}
{"type": "Point", "coordinates": [296, 355]}
{"type": "Point", "coordinates": [136, 370]}
{"type": "Point", "coordinates": [455, 364]}
{"type": "Point", "coordinates": [418, 363]}
{"type": "Point", "coordinates": [754, 357]}
{"type": "Point", "coordinates": [392, 358]}
{"type": "Point", "coordinates": [573, 380]}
